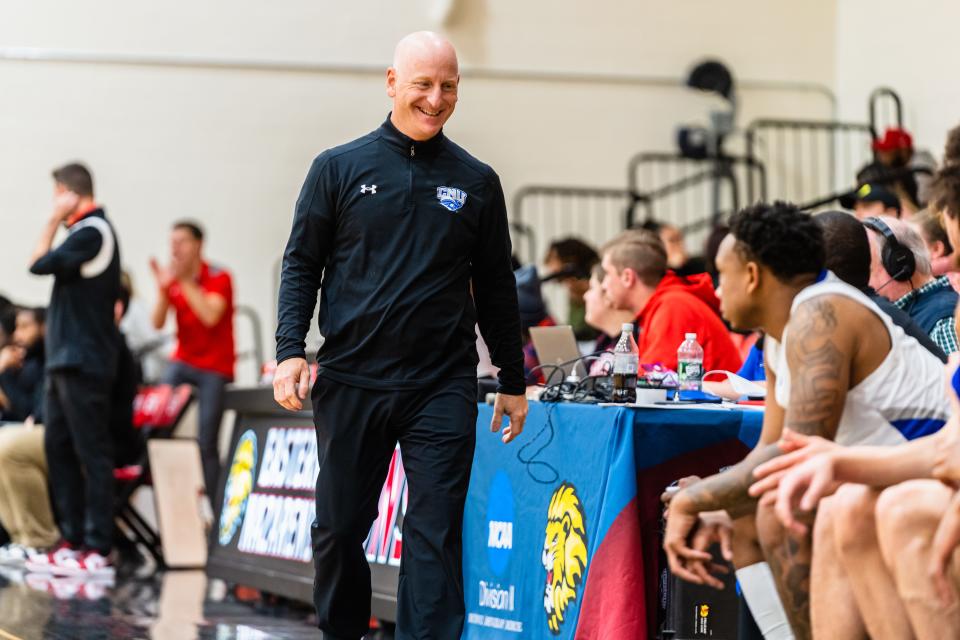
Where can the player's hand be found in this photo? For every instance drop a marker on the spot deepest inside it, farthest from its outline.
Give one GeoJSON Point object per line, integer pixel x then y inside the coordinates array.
{"type": "Point", "coordinates": [685, 561]}
{"type": "Point", "coordinates": [945, 542]}
{"type": "Point", "coordinates": [64, 204]}
{"type": "Point", "coordinates": [801, 489]}
{"type": "Point", "coordinates": [946, 462]}
{"type": "Point", "coordinates": [797, 448]}
{"type": "Point", "coordinates": [291, 383]}
{"type": "Point", "coordinates": [515, 408]}
{"type": "Point", "coordinates": [714, 527]}
{"type": "Point", "coordinates": [162, 275]}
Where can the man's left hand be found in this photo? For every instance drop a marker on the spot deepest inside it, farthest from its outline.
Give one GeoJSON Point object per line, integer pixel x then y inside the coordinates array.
{"type": "Point", "coordinates": [515, 408]}
{"type": "Point", "coordinates": [685, 561]}
{"type": "Point", "coordinates": [183, 271]}
{"type": "Point", "coordinates": [946, 463]}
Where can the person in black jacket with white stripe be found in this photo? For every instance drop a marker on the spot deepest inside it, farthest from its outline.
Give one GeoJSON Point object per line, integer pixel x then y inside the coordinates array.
{"type": "Point", "coordinates": [81, 343]}
{"type": "Point", "coordinates": [396, 226]}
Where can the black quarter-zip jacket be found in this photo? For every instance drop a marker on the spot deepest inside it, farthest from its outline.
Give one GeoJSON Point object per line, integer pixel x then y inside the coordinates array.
{"type": "Point", "coordinates": [393, 231]}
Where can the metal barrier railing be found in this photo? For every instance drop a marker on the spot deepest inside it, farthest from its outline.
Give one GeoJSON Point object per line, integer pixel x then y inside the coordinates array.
{"type": "Point", "coordinates": [886, 178]}
{"type": "Point", "coordinates": [806, 158]}
{"type": "Point", "coordinates": [252, 352]}
{"type": "Point", "coordinates": [892, 113]}
{"type": "Point", "coordinates": [544, 213]}
{"type": "Point", "coordinates": [694, 194]}
{"type": "Point", "coordinates": [793, 160]}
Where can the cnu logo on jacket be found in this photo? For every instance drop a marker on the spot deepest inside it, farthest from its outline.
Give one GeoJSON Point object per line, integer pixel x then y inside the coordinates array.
{"type": "Point", "coordinates": [451, 198]}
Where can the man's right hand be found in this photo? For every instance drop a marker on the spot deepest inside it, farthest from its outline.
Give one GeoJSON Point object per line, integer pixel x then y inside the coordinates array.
{"type": "Point", "coordinates": [715, 527]}
{"type": "Point", "coordinates": [162, 275]}
{"type": "Point", "coordinates": [685, 561]}
{"type": "Point", "coordinates": [11, 357]}
{"type": "Point", "coordinates": [64, 204]}
{"type": "Point", "coordinates": [291, 383]}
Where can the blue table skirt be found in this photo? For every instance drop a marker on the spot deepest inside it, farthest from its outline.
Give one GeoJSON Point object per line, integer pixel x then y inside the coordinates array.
{"type": "Point", "coordinates": [561, 526]}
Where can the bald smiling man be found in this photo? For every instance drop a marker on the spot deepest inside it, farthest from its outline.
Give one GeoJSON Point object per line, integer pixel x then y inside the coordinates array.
{"type": "Point", "coordinates": [394, 227]}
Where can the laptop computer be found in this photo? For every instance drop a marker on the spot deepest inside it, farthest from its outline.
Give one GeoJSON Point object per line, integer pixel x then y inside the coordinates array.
{"type": "Point", "coordinates": [555, 345]}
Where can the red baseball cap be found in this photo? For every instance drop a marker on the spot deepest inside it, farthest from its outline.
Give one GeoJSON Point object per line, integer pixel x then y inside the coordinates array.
{"type": "Point", "coordinates": [893, 138]}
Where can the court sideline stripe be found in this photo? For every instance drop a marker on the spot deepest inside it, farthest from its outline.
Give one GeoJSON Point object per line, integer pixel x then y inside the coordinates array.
{"type": "Point", "coordinates": [8, 636]}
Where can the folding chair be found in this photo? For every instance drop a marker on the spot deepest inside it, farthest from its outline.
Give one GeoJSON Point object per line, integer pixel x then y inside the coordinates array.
{"type": "Point", "coordinates": [157, 410]}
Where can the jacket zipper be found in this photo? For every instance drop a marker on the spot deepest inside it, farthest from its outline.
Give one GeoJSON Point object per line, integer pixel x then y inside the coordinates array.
{"type": "Point", "coordinates": [410, 203]}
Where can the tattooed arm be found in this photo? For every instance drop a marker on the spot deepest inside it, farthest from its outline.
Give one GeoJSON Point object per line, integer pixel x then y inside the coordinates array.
{"type": "Point", "coordinates": [686, 557]}
{"type": "Point", "coordinates": [819, 352]}
{"type": "Point", "coordinates": [820, 355]}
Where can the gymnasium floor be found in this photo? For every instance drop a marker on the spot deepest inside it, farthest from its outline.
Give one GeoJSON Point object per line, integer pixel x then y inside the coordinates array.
{"type": "Point", "coordinates": [171, 605]}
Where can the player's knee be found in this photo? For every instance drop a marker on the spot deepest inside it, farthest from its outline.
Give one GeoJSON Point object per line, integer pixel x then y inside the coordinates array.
{"type": "Point", "coordinates": [905, 510]}
{"type": "Point", "coordinates": [853, 520]}
{"type": "Point", "coordinates": [770, 532]}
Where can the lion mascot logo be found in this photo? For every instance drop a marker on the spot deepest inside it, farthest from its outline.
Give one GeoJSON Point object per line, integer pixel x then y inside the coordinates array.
{"type": "Point", "coordinates": [564, 554]}
{"type": "Point", "coordinates": [238, 488]}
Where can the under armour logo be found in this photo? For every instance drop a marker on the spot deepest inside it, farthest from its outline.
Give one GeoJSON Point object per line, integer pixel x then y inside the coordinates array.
{"type": "Point", "coordinates": [371, 189]}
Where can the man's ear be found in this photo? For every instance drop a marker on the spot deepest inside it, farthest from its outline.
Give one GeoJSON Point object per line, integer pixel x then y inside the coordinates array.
{"type": "Point", "coordinates": [753, 276]}
{"type": "Point", "coordinates": [939, 248]}
{"type": "Point", "coordinates": [628, 277]}
{"type": "Point", "coordinates": [392, 82]}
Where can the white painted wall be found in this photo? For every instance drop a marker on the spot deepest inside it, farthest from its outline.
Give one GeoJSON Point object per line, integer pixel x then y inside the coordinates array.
{"type": "Point", "coordinates": [232, 147]}
{"type": "Point", "coordinates": [910, 47]}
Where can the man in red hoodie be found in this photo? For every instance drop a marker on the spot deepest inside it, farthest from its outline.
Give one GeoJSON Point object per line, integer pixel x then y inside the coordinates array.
{"type": "Point", "coordinates": [666, 306]}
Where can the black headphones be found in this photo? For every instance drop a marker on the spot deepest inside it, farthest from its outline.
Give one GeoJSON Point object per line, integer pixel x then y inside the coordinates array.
{"type": "Point", "coordinates": [897, 259]}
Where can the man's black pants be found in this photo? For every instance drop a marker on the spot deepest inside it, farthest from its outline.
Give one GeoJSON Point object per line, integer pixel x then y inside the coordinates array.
{"type": "Point", "coordinates": [211, 391]}
{"type": "Point", "coordinates": [79, 450]}
{"type": "Point", "coordinates": [357, 431]}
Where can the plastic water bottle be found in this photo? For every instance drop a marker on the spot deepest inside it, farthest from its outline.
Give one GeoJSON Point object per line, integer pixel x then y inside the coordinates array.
{"type": "Point", "coordinates": [626, 363]}
{"type": "Point", "coordinates": [690, 364]}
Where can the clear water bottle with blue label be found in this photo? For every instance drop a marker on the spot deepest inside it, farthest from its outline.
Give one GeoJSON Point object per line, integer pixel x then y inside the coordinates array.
{"type": "Point", "coordinates": [690, 364]}
{"type": "Point", "coordinates": [626, 364]}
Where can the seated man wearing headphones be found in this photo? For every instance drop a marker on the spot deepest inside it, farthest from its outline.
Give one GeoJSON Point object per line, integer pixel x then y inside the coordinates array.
{"type": "Point", "coordinates": [900, 271]}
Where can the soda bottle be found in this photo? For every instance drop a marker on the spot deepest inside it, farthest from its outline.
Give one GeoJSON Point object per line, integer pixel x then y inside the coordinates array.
{"type": "Point", "coordinates": [626, 363]}
{"type": "Point", "coordinates": [690, 364]}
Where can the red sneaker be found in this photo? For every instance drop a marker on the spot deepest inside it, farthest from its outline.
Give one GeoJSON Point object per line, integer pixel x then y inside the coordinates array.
{"type": "Point", "coordinates": [44, 562]}
{"type": "Point", "coordinates": [89, 564]}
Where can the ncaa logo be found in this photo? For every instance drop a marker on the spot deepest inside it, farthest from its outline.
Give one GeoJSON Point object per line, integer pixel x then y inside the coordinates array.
{"type": "Point", "coordinates": [500, 523]}
{"type": "Point", "coordinates": [451, 198]}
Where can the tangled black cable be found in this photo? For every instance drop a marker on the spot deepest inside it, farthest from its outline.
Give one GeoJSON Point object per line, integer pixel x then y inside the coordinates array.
{"type": "Point", "coordinates": [531, 463]}
{"type": "Point", "coordinates": [560, 365]}
{"type": "Point", "coordinates": [588, 390]}
{"type": "Point", "coordinates": [543, 472]}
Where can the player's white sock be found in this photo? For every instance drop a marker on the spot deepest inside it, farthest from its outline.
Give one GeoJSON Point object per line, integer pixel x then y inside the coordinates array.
{"type": "Point", "coordinates": [760, 592]}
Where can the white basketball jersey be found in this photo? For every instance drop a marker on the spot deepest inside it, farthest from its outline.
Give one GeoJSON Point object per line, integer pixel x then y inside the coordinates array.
{"type": "Point", "coordinates": [901, 400]}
